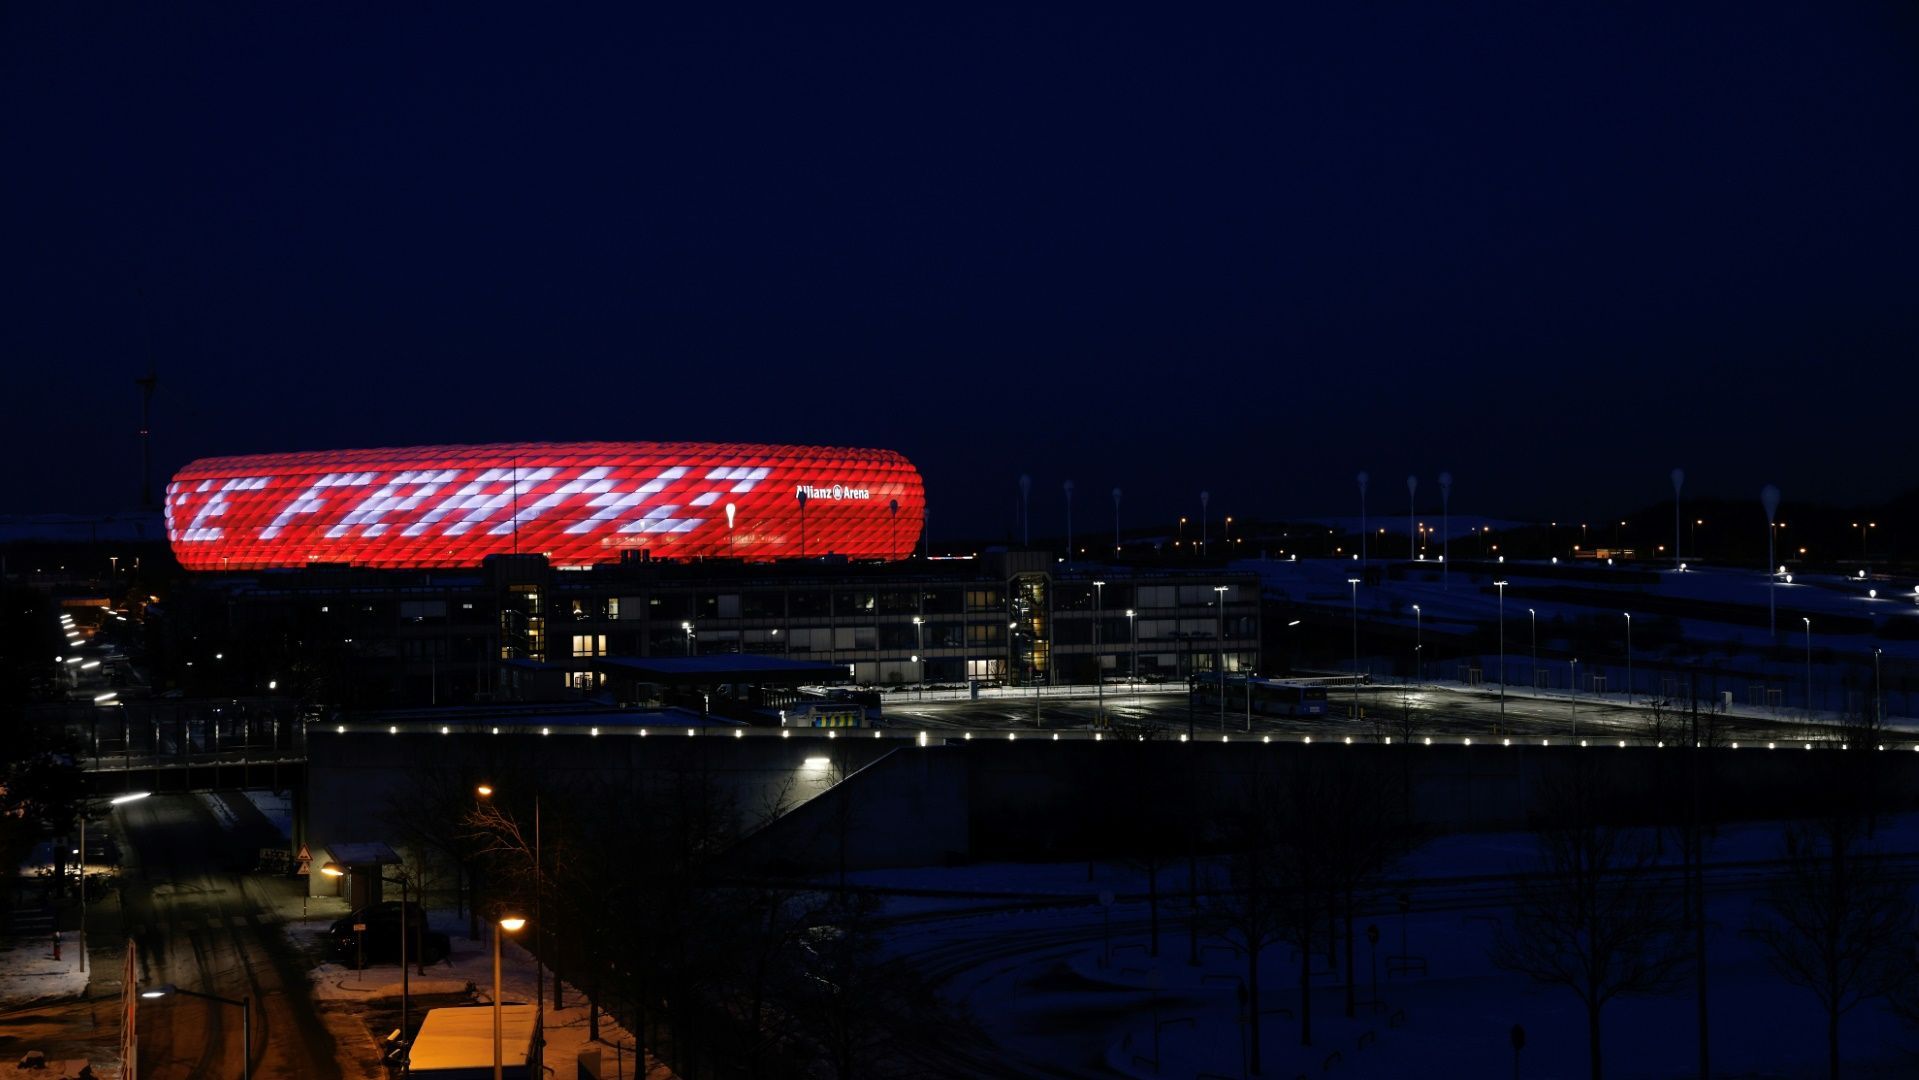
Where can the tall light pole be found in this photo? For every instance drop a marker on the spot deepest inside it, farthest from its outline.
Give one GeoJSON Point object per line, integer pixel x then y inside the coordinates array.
{"type": "Point", "coordinates": [1116, 543]}
{"type": "Point", "coordinates": [1419, 646]}
{"type": "Point", "coordinates": [1502, 649]}
{"type": "Point", "coordinates": [1099, 672]}
{"type": "Point", "coordinates": [1769, 498]}
{"type": "Point", "coordinates": [1362, 517]}
{"type": "Point", "coordinates": [1808, 622]}
{"type": "Point", "coordinates": [1678, 481]}
{"type": "Point", "coordinates": [1878, 700]}
{"type": "Point", "coordinates": [1219, 651]}
{"type": "Point", "coordinates": [1628, 615]}
{"type": "Point", "coordinates": [510, 924]}
{"type": "Point", "coordinates": [919, 638]}
{"type": "Point", "coordinates": [1412, 515]}
{"type": "Point", "coordinates": [1132, 661]}
{"type": "Point", "coordinates": [135, 796]}
{"type": "Point", "coordinates": [1446, 527]}
{"type": "Point", "coordinates": [539, 927]}
{"type": "Point", "coordinates": [1534, 613]}
{"type": "Point", "coordinates": [688, 627]}
{"type": "Point", "coordinates": [1205, 521]}
{"type": "Point", "coordinates": [245, 1005]}
{"type": "Point", "coordinates": [1575, 681]}
{"type": "Point", "coordinates": [1862, 526]}
{"type": "Point", "coordinates": [1354, 582]}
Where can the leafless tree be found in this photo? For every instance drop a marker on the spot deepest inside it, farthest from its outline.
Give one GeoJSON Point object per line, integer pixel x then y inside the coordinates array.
{"type": "Point", "coordinates": [1590, 918]}
{"type": "Point", "coordinates": [1835, 919]}
{"type": "Point", "coordinates": [1246, 905]}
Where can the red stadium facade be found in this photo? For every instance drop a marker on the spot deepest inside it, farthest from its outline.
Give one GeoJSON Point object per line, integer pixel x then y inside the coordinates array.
{"type": "Point", "coordinates": [576, 503]}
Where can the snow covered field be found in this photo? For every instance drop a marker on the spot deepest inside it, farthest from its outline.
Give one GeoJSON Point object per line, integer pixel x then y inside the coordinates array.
{"type": "Point", "coordinates": [1050, 985]}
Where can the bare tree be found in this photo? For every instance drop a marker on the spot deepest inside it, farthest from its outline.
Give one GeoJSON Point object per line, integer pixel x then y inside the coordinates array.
{"type": "Point", "coordinates": [1834, 920]}
{"type": "Point", "coordinates": [1591, 919]}
{"type": "Point", "coordinates": [1248, 908]}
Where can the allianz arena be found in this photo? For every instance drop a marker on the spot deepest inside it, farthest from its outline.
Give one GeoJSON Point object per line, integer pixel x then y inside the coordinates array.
{"type": "Point", "coordinates": [576, 503]}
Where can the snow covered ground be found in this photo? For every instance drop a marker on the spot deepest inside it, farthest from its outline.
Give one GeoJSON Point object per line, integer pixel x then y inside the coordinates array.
{"type": "Point", "coordinates": [1051, 982]}
{"type": "Point", "coordinates": [29, 973]}
{"type": "Point", "coordinates": [468, 976]}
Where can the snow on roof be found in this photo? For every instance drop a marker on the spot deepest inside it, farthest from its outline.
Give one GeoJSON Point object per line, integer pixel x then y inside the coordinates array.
{"type": "Point", "coordinates": [462, 1038]}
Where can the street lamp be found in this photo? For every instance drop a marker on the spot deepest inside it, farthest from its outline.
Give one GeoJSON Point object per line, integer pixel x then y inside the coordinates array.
{"type": "Point", "coordinates": [539, 940]}
{"type": "Point", "coordinates": [688, 627]}
{"type": "Point", "coordinates": [1502, 650]}
{"type": "Point", "coordinates": [1219, 651]}
{"type": "Point", "coordinates": [1419, 646]}
{"type": "Point", "coordinates": [122, 800]}
{"type": "Point", "coordinates": [919, 638]}
{"type": "Point", "coordinates": [1132, 660]}
{"type": "Point", "coordinates": [1575, 682]}
{"type": "Point", "coordinates": [510, 924]}
{"type": "Point", "coordinates": [1862, 526]}
{"type": "Point", "coordinates": [1808, 621]}
{"type": "Point", "coordinates": [1628, 615]}
{"type": "Point", "coordinates": [1534, 612]}
{"type": "Point", "coordinates": [245, 1005]}
{"type": "Point", "coordinates": [1354, 582]}
{"type": "Point", "coordinates": [1099, 675]}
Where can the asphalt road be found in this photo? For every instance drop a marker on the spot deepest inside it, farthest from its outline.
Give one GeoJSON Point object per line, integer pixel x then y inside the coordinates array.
{"type": "Point", "coordinates": [1393, 710]}
{"type": "Point", "coordinates": [203, 926]}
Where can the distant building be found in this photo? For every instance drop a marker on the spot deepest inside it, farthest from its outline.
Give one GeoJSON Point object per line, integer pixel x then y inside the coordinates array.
{"type": "Point", "coordinates": [521, 628]}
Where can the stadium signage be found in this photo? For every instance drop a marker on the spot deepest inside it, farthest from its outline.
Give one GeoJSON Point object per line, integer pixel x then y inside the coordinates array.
{"type": "Point", "coordinates": [836, 492]}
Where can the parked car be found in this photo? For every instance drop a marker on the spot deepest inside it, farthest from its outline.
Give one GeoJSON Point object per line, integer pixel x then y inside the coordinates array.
{"type": "Point", "coordinates": [382, 944]}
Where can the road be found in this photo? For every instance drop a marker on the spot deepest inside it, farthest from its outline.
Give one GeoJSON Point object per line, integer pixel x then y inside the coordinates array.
{"type": "Point", "coordinates": [1421, 711]}
{"type": "Point", "coordinates": [202, 925]}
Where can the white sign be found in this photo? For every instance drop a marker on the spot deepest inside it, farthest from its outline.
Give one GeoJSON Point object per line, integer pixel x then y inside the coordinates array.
{"type": "Point", "coordinates": [837, 492]}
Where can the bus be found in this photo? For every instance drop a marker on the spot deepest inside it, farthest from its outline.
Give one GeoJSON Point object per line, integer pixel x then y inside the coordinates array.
{"type": "Point", "coordinates": [833, 708]}
{"type": "Point", "coordinates": [1271, 697]}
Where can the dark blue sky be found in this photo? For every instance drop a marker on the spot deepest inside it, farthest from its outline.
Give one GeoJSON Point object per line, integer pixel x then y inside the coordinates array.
{"type": "Point", "coordinates": [1556, 249]}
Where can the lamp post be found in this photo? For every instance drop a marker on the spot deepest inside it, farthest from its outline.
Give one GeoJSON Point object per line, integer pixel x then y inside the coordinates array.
{"type": "Point", "coordinates": [1862, 526]}
{"type": "Point", "coordinates": [919, 636]}
{"type": "Point", "coordinates": [1534, 613]}
{"type": "Point", "coordinates": [1678, 481]}
{"type": "Point", "coordinates": [688, 627]}
{"type": "Point", "coordinates": [1132, 660]}
{"type": "Point", "coordinates": [1574, 677]}
{"type": "Point", "coordinates": [510, 924]}
{"type": "Point", "coordinates": [1205, 521]}
{"type": "Point", "coordinates": [539, 931]}
{"type": "Point", "coordinates": [1354, 582]}
{"type": "Point", "coordinates": [1219, 650]}
{"type": "Point", "coordinates": [1628, 615]}
{"type": "Point", "coordinates": [245, 1005]}
{"type": "Point", "coordinates": [1808, 621]}
{"type": "Point", "coordinates": [1502, 650]}
{"type": "Point", "coordinates": [1099, 675]}
{"type": "Point", "coordinates": [122, 800]}
{"type": "Point", "coordinates": [1878, 700]}
{"type": "Point", "coordinates": [1116, 543]}
{"type": "Point", "coordinates": [1419, 646]}
{"type": "Point", "coordinates": [1446, 527]}
{"type": "Point", "coordinates": [1769, 498]}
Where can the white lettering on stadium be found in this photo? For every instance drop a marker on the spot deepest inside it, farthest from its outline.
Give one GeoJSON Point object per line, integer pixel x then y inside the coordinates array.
{"type": "Point", "coordinates": [837, 492]}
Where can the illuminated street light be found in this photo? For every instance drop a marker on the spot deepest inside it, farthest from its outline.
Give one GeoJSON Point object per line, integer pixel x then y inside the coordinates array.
{"type": "Point", "coordinates": [511, 924]}
{"type": "Point", "coordinates": [1502, 650]}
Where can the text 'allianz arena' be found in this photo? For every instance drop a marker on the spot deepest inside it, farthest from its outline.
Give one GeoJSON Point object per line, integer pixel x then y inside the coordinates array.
{"type": "Point", "coordinates": [576, 503]}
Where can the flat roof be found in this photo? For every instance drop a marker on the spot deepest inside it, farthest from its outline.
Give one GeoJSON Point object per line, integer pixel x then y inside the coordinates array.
{"type": "Point", "coordinates": [724, 667]}
{"type": "Point", "coordinates": [462, 1038]}
{"type": "Point", "coordinates": [362, 853]}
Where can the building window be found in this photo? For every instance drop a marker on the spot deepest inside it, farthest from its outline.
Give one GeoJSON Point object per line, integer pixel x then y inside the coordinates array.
{"type": "Point", "coordinates": [589, 644]}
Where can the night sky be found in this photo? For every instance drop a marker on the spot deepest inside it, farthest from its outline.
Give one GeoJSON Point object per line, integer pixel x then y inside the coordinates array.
{"type": "Point", "coordinates": [1556, 249]}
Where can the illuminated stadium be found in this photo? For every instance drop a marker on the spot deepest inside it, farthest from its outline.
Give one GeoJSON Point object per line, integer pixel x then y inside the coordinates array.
{"type": "Point", "coordinates": [578, 504]}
